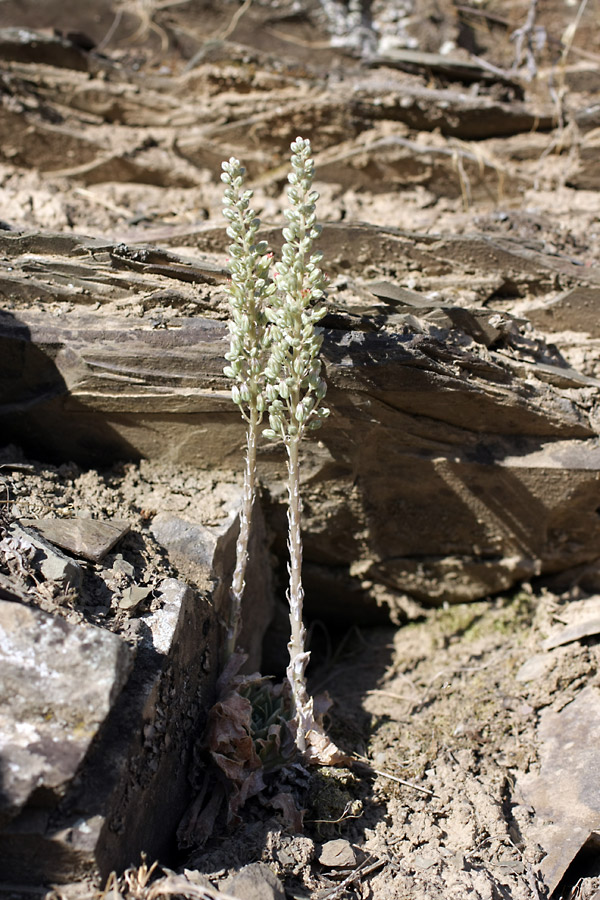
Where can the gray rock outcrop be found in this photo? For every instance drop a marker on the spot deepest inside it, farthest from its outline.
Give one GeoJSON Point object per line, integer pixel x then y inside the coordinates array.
{"type": "Point", "coordinates": [58, 683]}
{"type": "Point", "coordinates": [97, 729]}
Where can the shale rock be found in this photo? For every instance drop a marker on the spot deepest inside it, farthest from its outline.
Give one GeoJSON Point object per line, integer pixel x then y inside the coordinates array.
{"type": "Point", "coordinates": [461, 454]}
{"type": "Point", "coordinates": [54, 565]}
{"type": "Point", "coordinates": [80, 806]}
{"type": "Point", "coordinates": [88, 538]}
{"type": "Point", "coordinates": [204, 551]}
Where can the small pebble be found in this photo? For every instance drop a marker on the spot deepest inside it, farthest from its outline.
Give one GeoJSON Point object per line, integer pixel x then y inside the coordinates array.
{"type": "Point", "coordinates": [254, 882]}
{"type": "Point", "coordinates": [337, 854]}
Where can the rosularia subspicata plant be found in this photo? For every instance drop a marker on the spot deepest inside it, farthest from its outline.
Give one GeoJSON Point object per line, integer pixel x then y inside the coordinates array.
{"type": "Point", "coordinates": [295, 389]}
{"type": "Point", "coordinates": [248, 291]}
{"type": "Point", "coordinates": [274, 361]}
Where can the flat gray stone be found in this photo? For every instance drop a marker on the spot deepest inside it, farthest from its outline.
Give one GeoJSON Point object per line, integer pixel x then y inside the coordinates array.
{"type": "Point", "coordinates": [131, 597]}
{"type": "Point", "coordinates": [576, 632]}
{"type": "Point", "coordinates": [565, 792]}
{"type": "Point", "coordinates": [337, 854]}
{"type": "Point", "coordinates": [255, 882]}
{"type": "Point", "coordinates": [57, 684]}
{"type": "Point", "coordinates": [579, 619]}
{"type": "Point", "coordinates": [54, 565]}
{"type": "Point", "coordinates": [535, 667]}
{"type": "Point", "coordinates": [573, 310]}
{"type": "Point", "coordinates": [96, 819]}
{"type": "Point", "coordinates": [195, 544]}
{"type": "Point", "coordinates": [90, 538]}
{"type": "Point", "coordinates": [202, 552]}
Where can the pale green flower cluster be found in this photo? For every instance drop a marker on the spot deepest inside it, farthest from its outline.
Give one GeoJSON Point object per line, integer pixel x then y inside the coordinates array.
{"type": "Point", "coordinates": [248, 290]}
{"type": "Point", "coordinates": [294, 386]}
{"type": "Point", "coordinates": [274, 361]}
{"type": "Point", "coordinates": [275, 341]}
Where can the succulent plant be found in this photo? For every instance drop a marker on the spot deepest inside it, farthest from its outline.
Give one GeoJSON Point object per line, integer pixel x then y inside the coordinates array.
{"type": "Point", "coordinates": [248, 290]}
{"type": "Point", "coordinates": [275, 364]}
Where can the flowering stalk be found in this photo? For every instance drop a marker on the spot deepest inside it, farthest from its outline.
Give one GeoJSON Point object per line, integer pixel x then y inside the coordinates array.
{"type": "Point", "coordinates": [248, 291]}
{"type": "Point", "coordinates": [294, 390]}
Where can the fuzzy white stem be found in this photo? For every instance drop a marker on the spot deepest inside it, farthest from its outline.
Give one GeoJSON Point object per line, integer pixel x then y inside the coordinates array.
{"type": "Point", "coordinates": [241, 548]}
{"type": "Point", "coordinates": [299, 657]}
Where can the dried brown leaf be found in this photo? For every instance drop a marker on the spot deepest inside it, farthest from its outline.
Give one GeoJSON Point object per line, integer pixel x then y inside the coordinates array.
{"type": "Point", "coordinates": [226, 679]}
{"type": "Point", "coordinates": [229, 728]}
{"type": "Point", "coordinates": [290, 814]}
{"type": "Point", "coordinates": [321, 751]}
{"type": "Point", "coordinates": [232, 748]}
{"type": "Point", "coordinates": [198, 823]}
{"type": "Point", "coordinates": [253, 784]}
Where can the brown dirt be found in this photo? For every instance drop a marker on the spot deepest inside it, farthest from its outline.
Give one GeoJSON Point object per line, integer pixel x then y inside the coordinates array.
{"type": "Point", "coordinates": [131, 151]}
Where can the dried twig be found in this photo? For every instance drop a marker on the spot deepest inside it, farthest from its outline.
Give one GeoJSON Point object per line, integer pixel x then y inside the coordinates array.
{"type": "Point", "coordinates": [89, 195]}
{"type": "Point", "coordinates": [145, 13]}
{"type": "Point", "coordinates": [179, 884]}
{"type": "Point", "coordinates": [347, 814]}
{"type": "Point", "coordinates": [570, 31]}
{"type": "Point", "coordinates": [111, 31]}
{"type": "Point", "coordinates": [289, 39]}
{"type": "Point", "coordinates": [381, 693]}
{"type": "Point", "coordinates": [230, 28]}
{"type": "Point", "coordinates": [528, 39]}
{"type": "Point", "coordinates": [365, 764]}
{"type": "Point", "coordinates": [365, 868]}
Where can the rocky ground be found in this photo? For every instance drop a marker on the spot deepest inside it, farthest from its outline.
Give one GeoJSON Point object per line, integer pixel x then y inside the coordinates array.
{"type": "Point", "coordinates": [464, 678]}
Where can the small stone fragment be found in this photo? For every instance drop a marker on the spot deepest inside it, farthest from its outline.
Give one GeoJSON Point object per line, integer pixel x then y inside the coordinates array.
{"type": "Point", "coordinates": [564, 789]}
{"type": "Point", "coordinates": [162, 623]}
{"type": "Point", "coordinates": [53, 564]}
{"type": "Point", "coordinates": [394, 293]}
{"type": "Point", "coordinates": [196, 877]}
{"type": "Point", "coordinates": [255, 882]}
{"type": "Point", "coordinates": [90, 538]}
{"type": "Point", "coordinates": [535, 667]}
{"type": "Point", "coordinates": [131, 597]}
{"type": "Point", "coordinates": [193, 543]}
{"type": "Point", "coordinates": [122, 567]}
{"type": "Point", "coordinates": [337, 854]}
{"type": "Point", "coordinates": [423, 861]}
{"type": "Point", "coordinates": [571, 633]}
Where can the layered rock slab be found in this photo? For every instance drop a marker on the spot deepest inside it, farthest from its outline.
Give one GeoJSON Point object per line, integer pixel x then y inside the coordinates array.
{"type": "Point", "coordinates": [461, 455]}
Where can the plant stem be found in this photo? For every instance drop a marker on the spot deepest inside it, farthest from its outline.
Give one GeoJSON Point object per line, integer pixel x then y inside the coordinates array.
{"type": "Point", "coordinates": [248, 289]}
{"type": "Point", "coordinates": [241, 548]}
{"type": "Point", "coordinates": [302, 703]}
